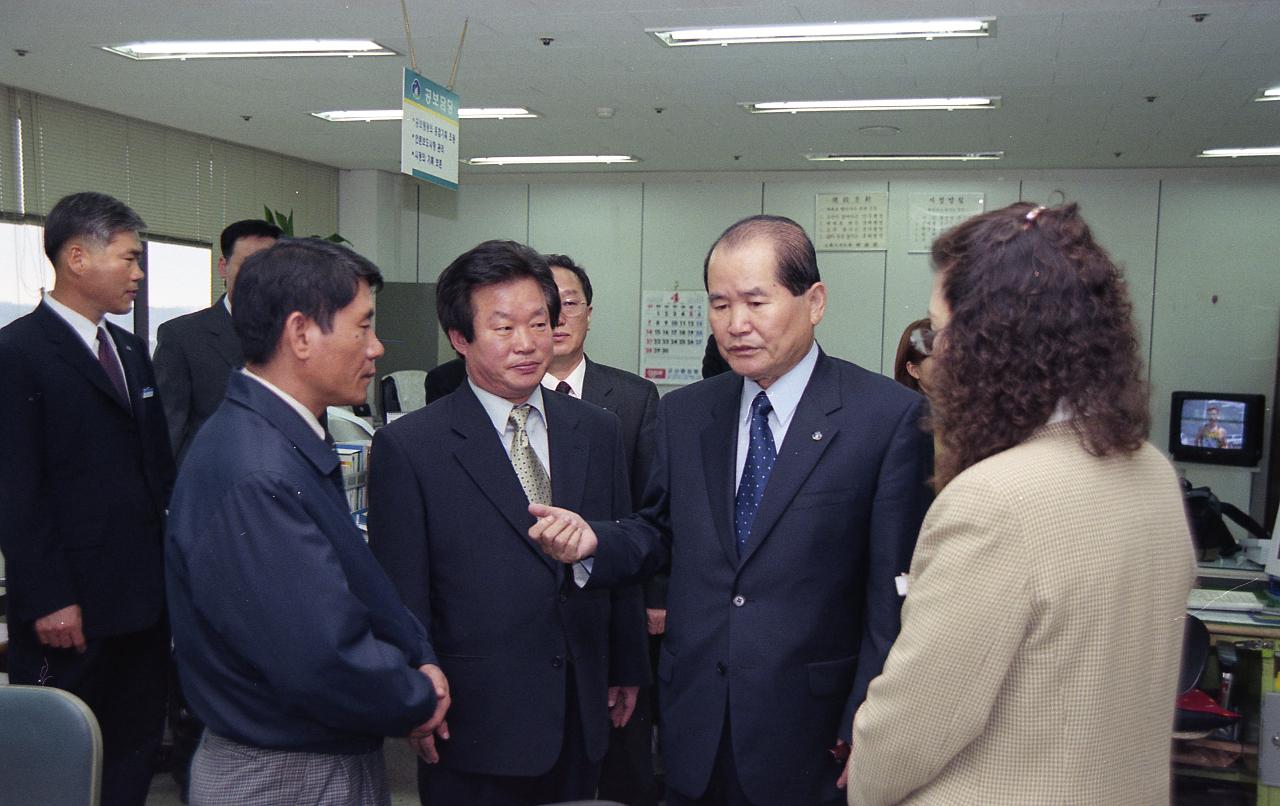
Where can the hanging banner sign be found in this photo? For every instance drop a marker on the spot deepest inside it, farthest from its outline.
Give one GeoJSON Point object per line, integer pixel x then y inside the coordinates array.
{"type": "Point", "coordinates": [429, 131]}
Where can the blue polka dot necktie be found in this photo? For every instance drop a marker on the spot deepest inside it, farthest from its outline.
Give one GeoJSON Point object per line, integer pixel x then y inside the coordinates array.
{"type": "Point", "coordinates": [761, 455]}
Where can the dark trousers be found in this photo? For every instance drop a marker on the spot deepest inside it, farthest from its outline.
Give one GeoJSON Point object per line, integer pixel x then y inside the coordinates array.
{"type": "Point", "coordinates": [573, 777]}
{"type": "Point", "coordinates": [725, 787]}
{"type": "Point", "coordinates": [626, 774]}
{"type": "Point", "coordinates": [122, 680]}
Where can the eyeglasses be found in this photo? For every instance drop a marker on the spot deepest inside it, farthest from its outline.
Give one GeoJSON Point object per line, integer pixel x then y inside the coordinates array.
{"type": "Point", "coordinates": [573, 308]}
{"type": "Point", "coordinates": [922, 340]}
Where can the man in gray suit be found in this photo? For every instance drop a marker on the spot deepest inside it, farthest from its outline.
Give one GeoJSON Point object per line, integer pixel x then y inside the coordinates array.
{"type": "Point", "coordinates": [196, 353]}
{"type": "Point", "coordinates": [627, 771]}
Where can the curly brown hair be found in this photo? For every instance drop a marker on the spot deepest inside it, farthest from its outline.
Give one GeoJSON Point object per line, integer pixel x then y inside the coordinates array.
{"type": "Point", "coordinates": [1039, 314]}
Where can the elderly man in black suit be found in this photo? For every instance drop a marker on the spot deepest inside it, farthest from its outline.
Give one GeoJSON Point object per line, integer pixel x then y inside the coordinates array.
{"type": "Point", "coordinates": [196, 353]}
{"type": "Point", "coordinates": [86, 478]}
{"type": "Point", "coordinates": [786, 497]}
{"type": "Point", "coordinates": [627, 774]}
{"type": "Point", "coordinates": [532, 659]}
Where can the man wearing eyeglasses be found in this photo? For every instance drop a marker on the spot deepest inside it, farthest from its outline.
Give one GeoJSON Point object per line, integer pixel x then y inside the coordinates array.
{"type": "Point", "coordinates": [627, 771]}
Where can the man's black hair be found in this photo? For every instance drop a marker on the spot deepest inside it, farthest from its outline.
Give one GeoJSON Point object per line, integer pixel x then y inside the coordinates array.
{"type": "Point", "coordinates": [313, 277]}
{"type": "Point", "coordinates": [489, 263]}
{"type": "Point", "coordinates": [94, 216]}
{"type": "Point", "coordinates": [797, 262]}
{"type": "Point", "coordinates": [248, 228]}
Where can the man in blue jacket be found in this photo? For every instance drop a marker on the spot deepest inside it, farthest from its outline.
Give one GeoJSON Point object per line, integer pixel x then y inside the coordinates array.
{"type": "Point", "coordinates": [291, 643]}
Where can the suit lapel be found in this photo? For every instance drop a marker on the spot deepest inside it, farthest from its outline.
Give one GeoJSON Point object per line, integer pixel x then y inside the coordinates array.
{"type": "Point", "coordinates": [134, 377]}
{"type": "Point", "coordinates": [484, 458]}
{"type": "Point", "coordinates": [72, 350]}
{"type": "Point", "coordinates": [810, 433]}
{"type": "Point", "coordinates": [719, 449]}
{"type": "Point", "coordinates": [596, 388]}
{"type": "Point", "coordinates": [225, 340]}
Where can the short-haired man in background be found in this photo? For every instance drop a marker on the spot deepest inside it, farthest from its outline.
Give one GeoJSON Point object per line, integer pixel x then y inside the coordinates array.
{"type": "Point", "coordinates": [531, 657]}
{"type": "Point", "coordinates": [627, 774]}
{"type": "Point", "coordinates": [290, 641]}
{"type": "Point", "coordinates": [85, 481]}
{"type": "Point", "coordinates": [196, 353]}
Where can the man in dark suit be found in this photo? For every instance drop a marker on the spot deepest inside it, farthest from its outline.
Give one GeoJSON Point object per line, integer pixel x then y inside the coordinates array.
{"type": "Point", "coordinates": [786, 496]}
{"type": "Point", "coordinates": [292, 646]}
{"type": "Point", "coordinates": [533, 660]}
{"type": "Point", "coordinates": [86, 479]}
{"type": "Point", "coordinates": [627, 774]}
{"type": "Point", "coordinates": [196, 353]}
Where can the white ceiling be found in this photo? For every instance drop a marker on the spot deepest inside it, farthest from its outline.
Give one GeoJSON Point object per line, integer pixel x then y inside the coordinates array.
{"type": "Point", "coordinates": [1074, 75]}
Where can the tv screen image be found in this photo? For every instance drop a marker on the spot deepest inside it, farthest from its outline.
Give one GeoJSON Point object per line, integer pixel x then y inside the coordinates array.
{"type": "Point", "coordinates": [1212, 424]}
{"type": "Point", "coordinates": [1221, 428]}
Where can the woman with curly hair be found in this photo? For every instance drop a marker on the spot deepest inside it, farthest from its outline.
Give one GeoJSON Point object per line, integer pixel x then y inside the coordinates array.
{"type": "Point", "coordinates": [1038, 656]}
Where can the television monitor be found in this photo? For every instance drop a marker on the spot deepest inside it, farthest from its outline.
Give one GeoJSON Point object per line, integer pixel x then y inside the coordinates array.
{"type": "Point", "coordinates": [1217, 428]}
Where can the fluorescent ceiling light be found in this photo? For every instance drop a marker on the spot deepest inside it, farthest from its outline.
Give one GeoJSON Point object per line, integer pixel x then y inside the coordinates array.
{"type": "Point", "coordinates": [826, 32]}
{"type": "Point", "coordinates": [607, 159]}
{"type": "Point", "coordinates": [478, 113]}
{"type": "Point", "coordinates": [1264, 151]}
{"type": "Point", "coordinates": [249, 49]}
{"type": "Point", "coordinates": [1272, 94]}
{"type": "Point", "coordinates": [949, 156]}
{"type": "Point", "coordinates": [873, 105]}
{"type": "Point", "coordinates": [495, 113]}
{"type": "Point", "coordinates": [359, 115]}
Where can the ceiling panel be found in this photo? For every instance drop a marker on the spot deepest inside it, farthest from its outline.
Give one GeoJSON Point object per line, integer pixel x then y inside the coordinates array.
{"type": "Point", "coordinates": [1073, 74]}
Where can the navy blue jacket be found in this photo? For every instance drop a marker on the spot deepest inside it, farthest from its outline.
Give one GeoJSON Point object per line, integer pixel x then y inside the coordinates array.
{"type": "Point", "coordinates": [787, 638]}
{"type": "Point", "coordinates": [287, 633]}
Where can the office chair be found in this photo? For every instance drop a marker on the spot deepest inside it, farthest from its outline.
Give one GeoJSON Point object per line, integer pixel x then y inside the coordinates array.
{"type": "Point", "coordinates": [403, 391]}
{"type": "Point", "coordinates": [51, 746]}
{"type": "Point", "coordinates": [345, 426]}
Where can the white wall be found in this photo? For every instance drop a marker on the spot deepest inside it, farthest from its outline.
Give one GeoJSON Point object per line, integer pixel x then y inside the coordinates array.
{"type": "Point", "coordinates": [1183, 236]}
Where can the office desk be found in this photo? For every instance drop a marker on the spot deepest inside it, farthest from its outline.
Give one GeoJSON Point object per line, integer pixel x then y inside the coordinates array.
{"type": "Point", "coordinates": [1262, 639]}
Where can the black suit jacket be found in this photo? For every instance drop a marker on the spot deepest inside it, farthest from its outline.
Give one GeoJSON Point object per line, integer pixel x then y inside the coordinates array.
{"type": "Point", "coordinates": [448, 519]}
{"type": "Point", "coordinates": [788, 638]}
{"type": "Point", "coordinates": [195, 354]}
{"type": "Point", "coordinates": [635, 401]}
{"type": "Point", "coordinates": [85, 478]}
{"type": "Point", "coordinates": [444, 379]}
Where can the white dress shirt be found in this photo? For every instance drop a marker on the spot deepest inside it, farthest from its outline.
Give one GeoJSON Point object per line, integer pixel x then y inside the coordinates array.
{"type": "Point", "coordinates": [499, 411]}
{"type": "Point", "coordinates": [302, 410]}
{"type": "Point", "coordinates": [784, 395]}
{"type": "Point", "coordinates": [575, 379]}
{"type": "Point", "coordinates": [87, 331]}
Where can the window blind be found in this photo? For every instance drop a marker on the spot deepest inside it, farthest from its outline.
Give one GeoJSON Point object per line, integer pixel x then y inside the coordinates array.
{"type": "Point", "coordinates": [184, 185]}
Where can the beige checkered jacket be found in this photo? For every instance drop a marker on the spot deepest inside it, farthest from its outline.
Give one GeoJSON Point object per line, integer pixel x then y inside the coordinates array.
{"type": "Point", "coordinates": [1038, 657]}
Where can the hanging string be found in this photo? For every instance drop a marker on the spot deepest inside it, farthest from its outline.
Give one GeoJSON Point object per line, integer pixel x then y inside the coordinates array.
{"type": "Point", "coordinates": [457, 56]}
{"type": "Point", "coordinates": [413, 57]}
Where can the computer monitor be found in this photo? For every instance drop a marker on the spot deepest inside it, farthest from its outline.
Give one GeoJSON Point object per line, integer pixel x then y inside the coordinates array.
{"type": "Point", "coordinates": [1219, 428]}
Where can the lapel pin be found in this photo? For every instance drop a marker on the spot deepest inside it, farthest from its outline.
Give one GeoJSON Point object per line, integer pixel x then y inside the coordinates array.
{"type": "Point", "coordinates": [816, 436]}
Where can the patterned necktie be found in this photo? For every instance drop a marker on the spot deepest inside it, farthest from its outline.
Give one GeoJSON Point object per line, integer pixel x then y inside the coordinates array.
{"type": "Point", "coordinates": [755, 472]}
{"type": "Point", "coordinates": [564, 388]}
{"type": "Point", "coordinates": [107, 358]}
{"type": "Point", "coordinates": [533, 476]}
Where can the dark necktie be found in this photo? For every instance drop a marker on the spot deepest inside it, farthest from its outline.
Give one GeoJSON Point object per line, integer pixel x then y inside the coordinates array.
{"type": "Point", "coordinates": [564, 388]}
{"type": "Point", "coordinates": [107, 358]}
{"type": "Point", "coordinates": [755, 471]}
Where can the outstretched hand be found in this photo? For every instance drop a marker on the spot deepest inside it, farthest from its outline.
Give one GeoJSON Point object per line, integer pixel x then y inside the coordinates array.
{"type": "Point", "coordinates": [561, 534]}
